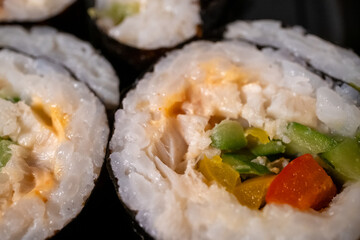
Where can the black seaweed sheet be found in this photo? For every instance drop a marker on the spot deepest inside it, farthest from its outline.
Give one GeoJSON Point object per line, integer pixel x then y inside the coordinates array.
{"type": "Point", "coordinates": [104, 216]}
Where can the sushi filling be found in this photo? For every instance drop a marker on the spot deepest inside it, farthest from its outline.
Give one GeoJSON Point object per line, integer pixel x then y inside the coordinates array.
{"type": "Point", "coordinates": [251, 165]}
{"type": "Point", "coordinates": [31, 133]}
{"type": "Point", "coordinates": [116, 12]}
{"type": "Point", "coordinates": [249, 137]}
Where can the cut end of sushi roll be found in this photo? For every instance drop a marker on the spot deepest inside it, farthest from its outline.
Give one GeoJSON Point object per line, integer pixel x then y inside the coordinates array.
{"type": "Point", "coordinates": [215, 121]}
{"type": "Point", "coordinates": [148, 24]}
{"type": "Point", "coordinates": [79, 57]}
{"type": "Point", "coordinates": [31, 10]}
{"type": "Point", "coordinates": [53, 138]}
{"type": "Point", "coordinates": [337, 62]}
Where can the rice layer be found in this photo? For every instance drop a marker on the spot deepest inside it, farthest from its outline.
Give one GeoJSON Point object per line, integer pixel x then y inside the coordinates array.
{"type": "Point", "coordinates": [76, 55]}
{"type": "Point", "coordinates": [162, 132]}
{"type": "Point", "coordinates": [157, 24]}
{"type": "Point", "coordinates": [59, 131]}
{"type": "Point", "coordinates": [335, 61]}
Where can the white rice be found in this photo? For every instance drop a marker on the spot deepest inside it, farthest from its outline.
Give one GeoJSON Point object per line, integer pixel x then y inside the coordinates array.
{"type": "Point", "coordinates": [53, 166]}
{"type": "Point", "coordinates": [154, 151]}
{"type": "Point", "coordinates": [160, 23]}
{"type": "Point", "coordinates": [31, 10]}
{"type": "Point", "coordinates": [78, 56]}
{"type": "Point", "coordinates": [335, 61]}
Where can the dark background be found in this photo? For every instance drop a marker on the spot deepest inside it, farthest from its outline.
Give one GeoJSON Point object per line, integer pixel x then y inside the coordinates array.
{"type": "Point", "coordinates": [104, 216]}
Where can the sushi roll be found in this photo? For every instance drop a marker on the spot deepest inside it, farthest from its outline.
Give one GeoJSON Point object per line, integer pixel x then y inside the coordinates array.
{"type": "Point", "coordinates": [148, 24]}
{"type": "Point", "coordinates": [79, 57]}
{"type": "Point", "coordinates": [307, 47]}
{"type": "Point", "coordinates": [33, 10]}
{"type": "Point", "coordinates": [231, 140]}
{"type": "Point", "coordinates": [137, 33]}
{"type": "Point", "coordinates": [53, 139]}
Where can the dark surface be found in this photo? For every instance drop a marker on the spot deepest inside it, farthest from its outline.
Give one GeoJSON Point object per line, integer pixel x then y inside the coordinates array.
{"type": "Point", "coordinates": [104, 216]}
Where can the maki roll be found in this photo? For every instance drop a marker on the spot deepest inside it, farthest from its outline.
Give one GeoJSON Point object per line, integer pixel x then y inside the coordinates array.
{"type": "Point", "coordinates": [306, 47]}
{"type": "Point", "coordinates": [137, 33]}
{"type": "Point", "coordinates": [230, 140]}
{"type": "Point", "coordinates": [148, 24]}
{"type": "Point", "coordinates": [53, 138]}
{"type": "Point", "coordinates": [33, 10]}
{"type": "Point", "coordinates": [79, 57]}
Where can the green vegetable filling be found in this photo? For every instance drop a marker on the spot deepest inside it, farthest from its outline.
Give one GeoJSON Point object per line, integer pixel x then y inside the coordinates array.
{"type": "Point", "coordinates": [345, 159]}
{"type": "Point", "coordinates": [243, 165]}
{"type": "Point", "coordinates": [5, 151]}
{"type": "Point", "coordinates": [245, 151]}
{"type": "Point", "coordinates": [307, 140]}
{"type": "Point", "coordinates": [13, 99]}
{"type": "Point", "coordinates": [228, 135]}
{"type": "Point", "coordinates": [339, 155]}
{"type": "Point", "coordinates": [270, 148]}
{"type": "Point", "coordinates": [117, 12]}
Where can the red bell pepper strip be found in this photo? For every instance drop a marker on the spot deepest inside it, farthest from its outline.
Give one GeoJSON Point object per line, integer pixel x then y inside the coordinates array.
{"type": "Point", "coordinates": [302, 184]}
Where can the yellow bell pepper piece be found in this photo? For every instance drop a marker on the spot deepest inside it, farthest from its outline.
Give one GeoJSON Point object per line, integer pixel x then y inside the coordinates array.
{"type": "Point", "coordinates": [252, 192]}
{"type": "Point", "coordinates": [259, 134]}
{"type": "Point", "coordinates": [215, 170]}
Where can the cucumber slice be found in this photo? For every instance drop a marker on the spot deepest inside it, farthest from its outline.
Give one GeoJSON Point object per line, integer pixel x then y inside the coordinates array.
{"type": "Point", "coordinates": [270, 148]}
{"type": "Point", "coordinates": [307, 140]}
{"type": "Point", "coordinates": [228, 135]}
{"type": "Point", "coordinates": [345, 159]}
{"type": "Point", "coordinates": [243, 165]}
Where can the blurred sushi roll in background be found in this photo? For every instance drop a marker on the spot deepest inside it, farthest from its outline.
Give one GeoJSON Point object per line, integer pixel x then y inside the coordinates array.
{"type": "Point", "coordinates": [148, 24]}
{"type": "Point", "coordinates": [31, 10]}
{"type": "Point", "coordinates": [137, 33]}
{"type": "Point", "coordinates": [53, 138]}
{"type": "Point", "coordinates": [342, 65]}
{"type": "Point", "coordinates": [254, 137]}
{"type": "Point", "coordinates": [78, 56]}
